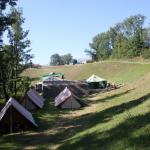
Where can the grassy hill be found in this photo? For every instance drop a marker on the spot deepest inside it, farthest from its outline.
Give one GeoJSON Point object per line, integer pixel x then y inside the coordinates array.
{"type": "Point", "coordinates": [117, 72]}
{"type": "Point", "coordinates": [115, 120]}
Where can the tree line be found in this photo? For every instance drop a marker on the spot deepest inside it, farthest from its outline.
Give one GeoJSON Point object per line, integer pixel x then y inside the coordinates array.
{"type": "Point", "coordinates": [14, 56]}
{"type": "Point", "coordinates": [127, 39]}
{"type": "Point", "coordinates": [66, 59]}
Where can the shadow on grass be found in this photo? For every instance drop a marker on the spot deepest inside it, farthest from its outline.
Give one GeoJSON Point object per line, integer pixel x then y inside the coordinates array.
{"type": "Point", "coordinates": [47, 116]}
{"type": "Point", "coordinates": [67, 129]}
{"type": "Point", "coordinates": [35, 79]}
{"type": "Point", "coordinates": [111, 97]}
{"type": "Point", "coordinates": [120, 137]}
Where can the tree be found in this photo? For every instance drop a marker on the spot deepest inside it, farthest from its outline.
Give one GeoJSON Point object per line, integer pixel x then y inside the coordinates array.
{"type": "Point", "coordinates": [125, 40]}
{"type": "Point", "coordinates": [100, 46]}
{"type": "Point", "coordinates": [66, 59]}
{"type": "Point", "coordinates": [55, 59]}
{"type": "Point", "coordinates": [92, 53]}
{"type": "Point", "coordinates": [19, 47]}
{"type": "Point", "coordinates": [133, 30]}
{"type": "Point", "coordinates": [15, 57]}
{"type": "Point", "coordinates": [5, 21]}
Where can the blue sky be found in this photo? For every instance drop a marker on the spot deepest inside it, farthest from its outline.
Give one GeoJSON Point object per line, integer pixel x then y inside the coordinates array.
{"type": "Point", "coordinates": [68, 26]}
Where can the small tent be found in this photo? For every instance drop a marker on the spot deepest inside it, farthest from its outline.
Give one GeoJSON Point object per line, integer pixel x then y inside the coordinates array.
{"type": "Point", "coordinates": [96, 82]}
{"type": "Point", "coordinates": [66, 99]}
{"type": "Point", "coordinates": [14, 117]}
{"type": "Point", "coordinates": [32, 100]}
{"type": "Point", "coordinates": [53, 74]}
{"type": "Point", "coordinates": [50, 79]}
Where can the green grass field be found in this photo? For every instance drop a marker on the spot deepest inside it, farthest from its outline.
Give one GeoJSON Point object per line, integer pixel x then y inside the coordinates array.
{"type": "Point", "coordinates": [115, 120]}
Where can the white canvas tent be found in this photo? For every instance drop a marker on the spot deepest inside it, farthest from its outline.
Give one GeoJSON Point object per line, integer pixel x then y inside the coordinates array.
{"type": "Point", "coordinates": [95, 78]}
{"type": "Point", "coordinates": [32, 100]}
{"type": "Point", "coordinates": [15, 117]}
{"type": "Point", "coordinates": [66, 99]}
{"type": "Point", "coordinates": [95, 82]}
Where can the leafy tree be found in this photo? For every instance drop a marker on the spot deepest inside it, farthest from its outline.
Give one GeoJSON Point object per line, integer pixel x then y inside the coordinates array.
{"type": "Point", "coordinates": [15, 56]}
{"type": "Point", "coordinates": [19, 47]}
{"type": "Point", "coordinates": [92, 53]}
{"type": "Point", "coordinates": [5, 21]}
{"type": "Point", "coordinates": [125, 40]}
{"type": "Point", "coordinates": [55, 59]}
{"type": "Point", "coordinates": [101, 46]}
{"type": "Point", "coordinates": [66, 59]}
{"type": "Point", "coordinates": [133, 27]}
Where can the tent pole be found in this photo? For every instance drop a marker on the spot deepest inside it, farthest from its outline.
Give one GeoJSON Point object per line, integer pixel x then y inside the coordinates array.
{"type": "Point", "coordinates": [11, 130]}
{"type": "Point", "coordinates": [71, 102]}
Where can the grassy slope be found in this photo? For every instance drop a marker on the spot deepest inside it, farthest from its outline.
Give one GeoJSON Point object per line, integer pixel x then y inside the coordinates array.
{"type": "Point", "coordinates": [112, 71]}
{"type": "Point", "coordinates": [118, 119]}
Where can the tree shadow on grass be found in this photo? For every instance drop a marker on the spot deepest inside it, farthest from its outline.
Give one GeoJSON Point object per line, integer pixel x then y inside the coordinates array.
{"type": "Point", "coordinates": [35, 79]}
{"type": "Point", "coordinates": [66, 130]}
{"type": "Point", "coordinates": [92, 119]}
{"type": "Point", "coordinates": [120, 137]}
{"type": "Point", "coordinates": [47, 116]}
{"type": "Point", "coordinates": [111, 97]}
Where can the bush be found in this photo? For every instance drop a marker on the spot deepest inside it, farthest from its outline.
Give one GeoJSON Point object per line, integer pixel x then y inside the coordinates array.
{"type": "Point", "coordinates": [146, 53]}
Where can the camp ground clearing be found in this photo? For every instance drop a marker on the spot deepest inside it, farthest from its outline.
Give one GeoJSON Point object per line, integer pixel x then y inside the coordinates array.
{"type": "Point", "coordinates": [116, 119]}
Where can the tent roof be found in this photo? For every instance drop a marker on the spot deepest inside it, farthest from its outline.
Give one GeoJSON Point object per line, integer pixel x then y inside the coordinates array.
{"type": "Point", "coordinates": [35, 93]}
{"type": "Point", "coordinates": [35, 98]}
{"type": "Point", "coordinates": [54, 74]}
{"type": "Point", "coordinates": [95, 78]}
{"type": "Point", "coordinates": [50, 78]}
{"type": "Point", "coordinates": [24, 112]}
{"type": "Point", "coordinates": [64, 96]}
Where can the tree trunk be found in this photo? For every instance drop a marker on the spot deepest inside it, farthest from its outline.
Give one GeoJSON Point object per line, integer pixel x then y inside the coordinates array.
{"type": "Point", "coordinates": [5, 91]}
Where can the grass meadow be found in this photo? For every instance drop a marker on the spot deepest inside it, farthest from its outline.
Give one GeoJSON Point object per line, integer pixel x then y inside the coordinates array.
{"type": "Point", "coordinates": [114, 120]}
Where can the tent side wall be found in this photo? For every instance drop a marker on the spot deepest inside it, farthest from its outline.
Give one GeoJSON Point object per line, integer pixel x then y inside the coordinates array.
{"type": "Point", "coordinates": [53, 90]}
{"type": "Point", "coordinates": [15, 121]}
{"type": "Point", "coordinates": [93, 85]}
{"type": "Point", "coordinates": [97, 85]}
{"type": "Point", "coordinates": [28, 104]}
{"type": "Point", "coordinates": [103, 84]}
{"type": "Point", "coordinates": [71, 103]}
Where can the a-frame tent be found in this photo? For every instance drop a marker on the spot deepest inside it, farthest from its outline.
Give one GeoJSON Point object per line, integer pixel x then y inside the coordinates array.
{"type": "Point", "coordinates": [14, 117]}
{"type": "Point", "coordinates": [32, 100]}
{"type": "Point", "coordinates": [66, 99]}
{"type": "Point", "coordinates": [96, 82]}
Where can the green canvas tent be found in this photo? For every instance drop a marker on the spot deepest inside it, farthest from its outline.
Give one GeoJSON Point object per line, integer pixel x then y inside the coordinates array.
{"type": "Point", "coordinates": [53, 74]}
{"type": "Point", "coordinates": [96, 82]}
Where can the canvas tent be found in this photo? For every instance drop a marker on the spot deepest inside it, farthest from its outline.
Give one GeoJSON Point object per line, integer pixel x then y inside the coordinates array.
{"type": "Point", "coordinates": [48, 79]}
{"type": "Point", "coordinates": [96, 82]}
{"type": "Point", "coordinates": [53, 74]}
{"type": "Point", "coordinates": [52, 89]}
{"type": "Point", "coordinates": [66, 99]}
{"type": "Point", "coordinates": [14, 117]}
{"type": "Point", "coordinates": [32, 100]}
